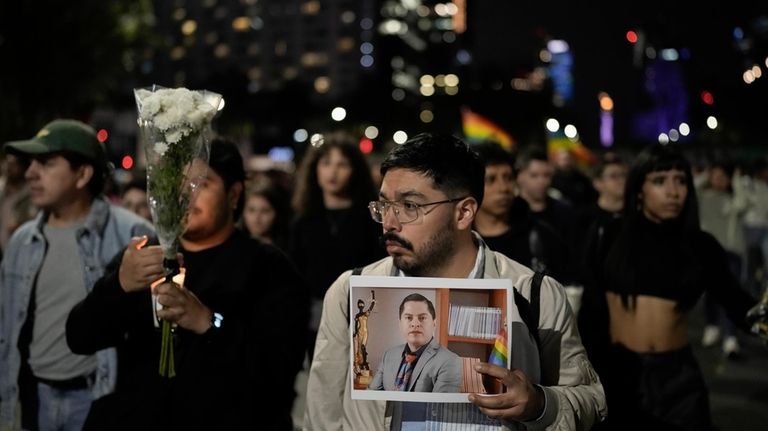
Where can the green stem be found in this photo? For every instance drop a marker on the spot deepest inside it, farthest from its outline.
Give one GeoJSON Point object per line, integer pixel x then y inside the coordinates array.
{"type": "Point", "coordinates": [167, 366]}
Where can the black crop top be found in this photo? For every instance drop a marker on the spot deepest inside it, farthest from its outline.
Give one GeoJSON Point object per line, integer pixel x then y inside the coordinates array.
{"type": "Point", "coordinates": [681, 267]}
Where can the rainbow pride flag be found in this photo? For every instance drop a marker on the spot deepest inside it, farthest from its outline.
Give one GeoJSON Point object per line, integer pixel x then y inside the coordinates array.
{"type": "Point", "coordinates": [500, 352]}
{"type": "Point", "coordinates": [478, 128]}
{"type": "Point", "coordinates": [557, 141]}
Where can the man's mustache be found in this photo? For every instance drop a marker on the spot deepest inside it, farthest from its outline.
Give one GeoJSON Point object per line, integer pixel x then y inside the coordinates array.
{"type": "Point", "coordinates": [392, 237]}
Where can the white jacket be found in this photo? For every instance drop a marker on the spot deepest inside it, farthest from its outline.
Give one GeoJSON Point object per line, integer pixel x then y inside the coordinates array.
{"type": "Point", "coordinates": [574, 396]}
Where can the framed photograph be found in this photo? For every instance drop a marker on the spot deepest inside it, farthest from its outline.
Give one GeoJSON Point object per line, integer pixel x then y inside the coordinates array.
{"type": "Point", "coordinates": [417, 338]}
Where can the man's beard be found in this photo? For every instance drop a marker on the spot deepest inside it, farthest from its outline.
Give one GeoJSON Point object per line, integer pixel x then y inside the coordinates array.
{"type": "Point", "coordinates": [432, 255]}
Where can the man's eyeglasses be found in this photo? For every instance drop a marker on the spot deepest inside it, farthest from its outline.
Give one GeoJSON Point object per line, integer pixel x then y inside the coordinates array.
{"type": "Point", "coordinates": [405, 211]}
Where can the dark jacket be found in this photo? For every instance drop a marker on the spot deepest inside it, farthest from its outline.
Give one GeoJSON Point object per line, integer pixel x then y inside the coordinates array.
{"type": "Point", "coordinates": [255, 355]}
{"type": "Point", "coordinates": [534, 243]}
{"type": "Point", "coordinates": [325, 244]}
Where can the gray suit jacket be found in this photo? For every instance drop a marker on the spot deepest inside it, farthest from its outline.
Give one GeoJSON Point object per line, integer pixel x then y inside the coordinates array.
{"type": "Point", "coordinates": [437, 370]}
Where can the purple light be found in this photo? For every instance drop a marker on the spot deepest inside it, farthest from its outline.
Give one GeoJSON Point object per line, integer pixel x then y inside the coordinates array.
{"type": "Point", "coordinates": [606, 128]}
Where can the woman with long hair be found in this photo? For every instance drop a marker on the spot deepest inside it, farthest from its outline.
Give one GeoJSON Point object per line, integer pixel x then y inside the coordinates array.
{"type": "Point", "coordinates": [333, 230]}
{"type": "Point", "coordinates": [267, 213]}
{"type": "Point", "coordinates": [656, 269]}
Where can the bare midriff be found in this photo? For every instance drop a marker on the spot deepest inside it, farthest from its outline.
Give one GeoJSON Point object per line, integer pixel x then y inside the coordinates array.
{"type": "Point", "coordinates": [651, 324]}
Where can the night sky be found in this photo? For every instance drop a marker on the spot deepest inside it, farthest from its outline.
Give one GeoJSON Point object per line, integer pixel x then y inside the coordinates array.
{"type": "Point", "coordinates": [506, 37]}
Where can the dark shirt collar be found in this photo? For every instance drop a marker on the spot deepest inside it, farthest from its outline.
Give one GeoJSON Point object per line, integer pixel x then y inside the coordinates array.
{"type": "Point", "coordinates": [407, 350]}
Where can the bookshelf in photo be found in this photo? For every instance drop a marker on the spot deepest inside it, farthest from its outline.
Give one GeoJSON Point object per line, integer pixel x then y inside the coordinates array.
{"type": "Point", "coordinates": [468, 322]}
{"type": "Point", "coordinates": [470, 319]}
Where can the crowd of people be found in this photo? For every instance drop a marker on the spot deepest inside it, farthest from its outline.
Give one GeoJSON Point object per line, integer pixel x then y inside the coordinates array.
{"type": "Point", "coordinates": [626, 254]}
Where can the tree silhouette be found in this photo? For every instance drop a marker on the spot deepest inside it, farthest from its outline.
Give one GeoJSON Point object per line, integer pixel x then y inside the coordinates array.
{"type": "Point", "coordinates": [61, 58]}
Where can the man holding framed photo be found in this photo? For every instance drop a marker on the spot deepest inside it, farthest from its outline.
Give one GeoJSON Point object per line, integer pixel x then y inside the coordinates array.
{"type": "Point", "coordinates": [431, 190]}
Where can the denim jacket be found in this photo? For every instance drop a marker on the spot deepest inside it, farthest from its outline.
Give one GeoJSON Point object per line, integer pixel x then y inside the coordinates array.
{"type": "Point", "coordinates": [106, 231]}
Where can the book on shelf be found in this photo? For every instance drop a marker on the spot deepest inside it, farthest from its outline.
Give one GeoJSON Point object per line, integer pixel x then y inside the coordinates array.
{"type": "Point", "coordinates": [474, 322]}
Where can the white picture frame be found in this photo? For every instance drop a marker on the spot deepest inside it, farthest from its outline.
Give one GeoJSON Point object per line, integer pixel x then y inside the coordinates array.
{"type": "Point", "coordinates": [475, 327]}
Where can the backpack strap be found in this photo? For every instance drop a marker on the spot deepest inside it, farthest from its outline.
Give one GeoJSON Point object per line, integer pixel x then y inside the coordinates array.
{"type": "Point", "coordinates": [535, 295]}
{"type": "Point", "coordinates": [529, 310]}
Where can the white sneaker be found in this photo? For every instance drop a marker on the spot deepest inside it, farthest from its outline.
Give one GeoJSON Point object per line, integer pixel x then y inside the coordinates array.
{"type": "Point", "coordinates": [731, 347]}
{"type": "Point", "coordinates": [711, 336]}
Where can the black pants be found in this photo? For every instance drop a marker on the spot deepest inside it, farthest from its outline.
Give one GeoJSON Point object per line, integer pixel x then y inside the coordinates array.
{"type": "Point", "coordinates": [28, 397]}
{"type": "Point", "coordinates": [656, 391]}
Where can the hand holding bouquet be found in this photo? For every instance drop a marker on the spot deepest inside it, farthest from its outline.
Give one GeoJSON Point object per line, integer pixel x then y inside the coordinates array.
{"type": "Point", "coordinates": [176, 128]}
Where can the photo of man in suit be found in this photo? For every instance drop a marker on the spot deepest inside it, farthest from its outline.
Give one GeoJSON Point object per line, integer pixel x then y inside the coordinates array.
{"type": "Point", "coordinates": [421, 364]}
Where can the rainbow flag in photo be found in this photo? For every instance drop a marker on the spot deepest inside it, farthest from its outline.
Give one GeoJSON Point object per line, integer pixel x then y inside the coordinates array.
{"type": "Point", "coordinates": [478, 128]}
{"type": "Point", "coordinates": [500, 352]}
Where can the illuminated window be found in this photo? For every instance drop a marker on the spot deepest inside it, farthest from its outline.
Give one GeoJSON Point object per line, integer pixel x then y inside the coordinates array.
{"type": "Point", "coordinates": [189, 27]}
{"type": "Point", "coordinates": [312, 59]}
{"type": "Point", "coordinates": [322, 84]}
{"type": "Point", "coordinates": [257, 23]}
{"type": "Point", "coordinates": [178, 52]}
{"type": "Point", "coordinates": [366, 60]}
{"type": "Point", "coordinates": [221, 50]}
{"type": "Point", "coordinates": [254, 73]}
{"type": "Point", "coordinates": [179, 14]}
{"type": "Point", "coordinates": [290, 72]}
{"type": "Point", "coordinates": [241, 23]}
{"type": "Point", "coordinates": [346, 44]}
{"type": "Point", "coordinates": [311, 7]}
{"type": "Point", "coordinates": [348, 17]}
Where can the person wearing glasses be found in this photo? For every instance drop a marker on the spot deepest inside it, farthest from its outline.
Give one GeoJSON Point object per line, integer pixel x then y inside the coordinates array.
{"type": "Point", "coordinates": [432, 187]}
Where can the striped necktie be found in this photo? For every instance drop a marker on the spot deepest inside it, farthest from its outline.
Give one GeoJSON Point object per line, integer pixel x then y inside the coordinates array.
{"type": "Point", "coordinates": [404, 373]}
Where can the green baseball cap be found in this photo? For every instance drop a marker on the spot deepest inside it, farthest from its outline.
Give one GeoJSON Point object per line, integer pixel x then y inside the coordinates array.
{"type": "Point", "coordinates": [62, 136]}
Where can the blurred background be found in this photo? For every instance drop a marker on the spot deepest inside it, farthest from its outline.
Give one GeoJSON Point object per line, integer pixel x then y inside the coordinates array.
{"type": "Point", "coordinates": [603, 74]}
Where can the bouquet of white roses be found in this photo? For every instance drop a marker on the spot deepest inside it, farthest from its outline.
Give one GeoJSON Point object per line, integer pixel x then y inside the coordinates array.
{"type": "Point", "coordinates": [176, 127]}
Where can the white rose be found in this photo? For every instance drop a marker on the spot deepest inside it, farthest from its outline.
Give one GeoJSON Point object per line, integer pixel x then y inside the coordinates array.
{"type": "Point", "coordinates": [150, 104]}
{"type": "Point", "coordinates": [195, 119]}
{"type": "Point", "coordinates": [176, 112]}
{"type": "Point", "coordinates": [174, 136]}
{"type": "Point", "coordinates": [160, 147]}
